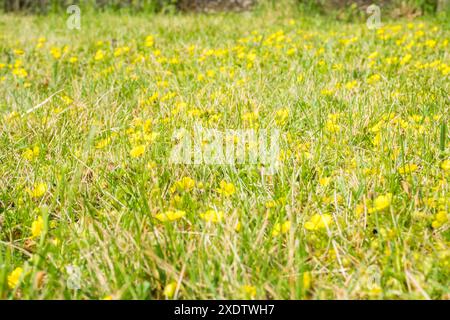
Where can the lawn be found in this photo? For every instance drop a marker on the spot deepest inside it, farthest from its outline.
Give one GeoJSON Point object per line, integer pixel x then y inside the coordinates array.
{"type": "Point", "coordinates": [354, 204]}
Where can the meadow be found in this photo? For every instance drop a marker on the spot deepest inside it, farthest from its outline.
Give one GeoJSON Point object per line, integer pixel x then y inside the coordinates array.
{"type": "Point", "coordinates": [92, 208]}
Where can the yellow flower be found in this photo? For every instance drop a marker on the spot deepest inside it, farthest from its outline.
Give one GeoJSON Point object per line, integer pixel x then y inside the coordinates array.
{"type": "Point", "coordinates": [381, 202]}
{"type": "Point", "coordinates": [331, 200]}
{"type": "Point", "coordinates": [9, 117]}
{"type": "Point", "coordinates": [41, 41]}
{"type": "Point", "coordinates": [36, 227]}
{"type": "Point", "coordinates": [377, 139]}
{"type": "Point", "coordinates": [281, 116]}
{"type": "Point", "coordinates": [151, 165]}
{"type": "Point", "coordinates": [185, 184]}
{"type": "Point", "coordinates": [18, 63]}
{"type": "Point", "coordinates": [226, 188]}
{"type": "Point", "coordinates": [238, 227]}
{"type": "Point", "coordinates": [118, 52]}
{"type": "Point", "coordinates": [38, 191]}
{"type": "Point", "coordinates": [19, 52]}
{"type": "Point", "coordinates": [249, 291]}
{"type": "Point", "coordinates": [324, 181]}
{"type": "Point", "coordinates": [56, 52]}
{"type": "Point", "coordinates": [408, 168]}
{"type": "Point", "coordinates": [326, 92]}
{"type": "Point", "coordinates": [359, 210]}
{"type": "Point", "coordinates": [307, 280]}
{"type": "Point", "coordinates": [271, 204]}
{"type": "Point", "coordinates": [31, 153]}
{"type": "Point", "coordinates": [170, 215]}
{"type": "Point", "coordinates": [406, 59]}
{"type": "Point", "coordinates": [99, 55]}
{"type": "Point", "coordinates": [108, 297]}
{"type": "Point", "coordinates": [250, 117]}
{"type": "Point", "coordinates": [430, 43]}
{"type": "Point", "coordinates": [445, 165]}
{"type": "Point", "coordinates": [332, 127]}
{"type": "Point", "coordinates": [67, 100]}
{"type": "Point", "coordinates": [318, 221]}
{"type": "Point", "coordinates": [20, 72]}
{"type": "Point", "coordinates": [440, 219]}
{"type": "Point", "coordinates": [374, 79]}
{"type": "Point", "coordinates": [14, 277]}
{"type": "Point", "coordinates": [441, 216]}
{"type": "Point", "coordinates": [169, 290]}
{"type": "Point", "coordinates": [138, 151]}
{"type": "Point", "coordinates": [351, 84]}
{"type": "Point", "coordinates": [102, 143]}
{"type": "Point", "coordinates": [212, 216]}
{"type": "Point", "coordinates": [281, 228]}
{"type": "Point", "coordinates": [149, 41]}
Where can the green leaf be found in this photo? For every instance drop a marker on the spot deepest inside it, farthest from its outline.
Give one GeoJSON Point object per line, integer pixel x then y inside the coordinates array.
{"type": "Point", "coordinates": [443, 135]}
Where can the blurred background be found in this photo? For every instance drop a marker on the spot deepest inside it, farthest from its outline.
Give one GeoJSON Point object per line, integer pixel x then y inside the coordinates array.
{"type": "Point", "coordinates": [343, 9]}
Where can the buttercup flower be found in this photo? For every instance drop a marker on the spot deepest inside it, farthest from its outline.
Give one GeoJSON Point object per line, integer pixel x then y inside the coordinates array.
{"type": "Point", "coordinates": [185, 184]}
{"type": "Point", "coordinates": [445, 165]}
{"type": "Point", "coordinates": [38, 191]}
{"type": "Point", "coordinates": [409, 168]}
{"type": "Point", "coordinates": [31, 153]}
{"type": "Point", "coordinates": [170, 215]}
{"type": "Point", "coordinates": [137, 151]}
{"type": "Point", "coordinates": [381, 203]}
{"type": "Point", "coordinates": [281, 228]}
{"type": "Point", "coordinates": [212, 216]}
{"type": "Point", "coordinates": [14, 277]}
{"type": "Point", "coordinates": [226, 188]}
{"type": "Point", "coordinates": [169, 290]}
{"type": "Point", "coordinates": [248, 291]}
{"type": "Point", "coordinates": [36, 227]}
{"type": "Point", "coordinates": [318, 221]}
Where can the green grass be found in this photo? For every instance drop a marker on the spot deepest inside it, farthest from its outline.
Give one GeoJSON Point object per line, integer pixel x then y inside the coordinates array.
{"type": "Point", "coordinates": [100, 203]}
